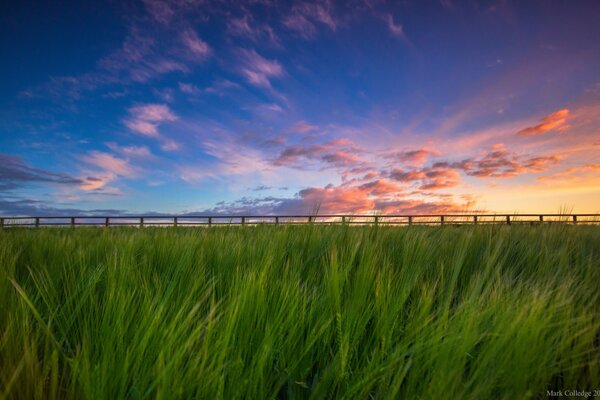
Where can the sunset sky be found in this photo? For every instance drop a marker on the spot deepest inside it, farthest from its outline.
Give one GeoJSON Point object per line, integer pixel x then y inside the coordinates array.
{"type": "Point", "coordinates": [273, 107]}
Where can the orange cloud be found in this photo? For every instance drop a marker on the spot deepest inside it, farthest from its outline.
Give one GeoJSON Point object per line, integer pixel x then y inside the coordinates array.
{"type": "Point", "coordinates": [554, 122]}
{"type": "Point", "coordinates": [583, 175]}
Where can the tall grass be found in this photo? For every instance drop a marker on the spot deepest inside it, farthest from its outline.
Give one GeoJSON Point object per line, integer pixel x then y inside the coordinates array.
{"type": "Point", "coordinates": [299, 312]}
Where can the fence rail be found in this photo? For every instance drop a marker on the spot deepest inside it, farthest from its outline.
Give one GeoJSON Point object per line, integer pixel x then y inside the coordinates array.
{"type": "Point", "coordinates": [223, 220]}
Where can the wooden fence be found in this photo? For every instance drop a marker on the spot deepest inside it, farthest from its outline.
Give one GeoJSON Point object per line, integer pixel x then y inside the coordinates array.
{"type": "Point", "coordinates": [223, 220]}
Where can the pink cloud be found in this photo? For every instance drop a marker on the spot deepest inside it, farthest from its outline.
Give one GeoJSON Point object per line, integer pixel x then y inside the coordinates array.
{"type": "Point", "coordinates": [145, 119]}
{"type": "Point", "coordinates": [198, 48]}
{"type": "Point", "coordinates": [170, 145]}
{"type": "Point", "coordinates": [132, 151]}
{"type": "Point", "coordinates": [258, 70]}
{"type": "Point", "coordinates": [188, 88]}
{"type": "Point", "coordinates": [248, 28]}
{"type": "Point", "coordinates": [376, 196]}
{"type": "Point", "coordinates": [303, 16]}
{"type": "Point", "coordinates": [143, 127]}
{"type": "Point", "coordinates": [395, 29]}
{"type": "Point", "coordinates": [109, 163]}
{"type": "Point", "coordinates": [152, 113]}
{"type": "Point", "coordinates": [303, 127]}
{"type": "Point", "coordinates": [96, 182]}
{"type": "Point", "coordinates": [554, 122]}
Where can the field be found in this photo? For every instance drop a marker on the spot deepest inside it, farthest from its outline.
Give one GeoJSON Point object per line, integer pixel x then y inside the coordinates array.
{"type": "Point", "coordinates": [287, 312]}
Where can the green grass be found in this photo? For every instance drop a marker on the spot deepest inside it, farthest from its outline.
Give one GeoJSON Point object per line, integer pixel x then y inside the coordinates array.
{"type": "Point", "coordinates": [299, 312]}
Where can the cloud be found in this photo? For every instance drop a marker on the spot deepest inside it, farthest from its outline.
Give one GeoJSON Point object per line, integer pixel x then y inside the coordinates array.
{"type": "Point", "coordinates": [198, 48]}
{"type": "Point", "coordinates": [145, 120]}
{"type": "Point", "coordinates": [130, 151]}
{"type": "Point", "coordinates": [341, 159]}
{"type": "Point", "coordinates": [258, 70]}
{"type": "Point", "coordinates": [261, 188]}
{"type": "Point", "coordinates": [303, 127]}
{"type": "Point", "coordinates": [97, 182]}
{"type": "Point", "coordinates": [170, 145]}
{"type": "Point", "coordinates": [431, 178]}
{"type": "Point", "coordinates": [168, 12]}
{"type": "Point", "coordinates": [395, 29]}
{"type": "Point", "coordinates": [246, 27]}
{"type": "Point", "coordinates": [376, 196]}
{"type": "Point", "coordinates": [30, 207]}
{"type": "Point", "coordinates": [335, 153]}
{"type": "Point", "coordinates": [140, 59]}
{"type": "Point", "coordinates": [303, 17]}
{"type": "Point", "coordinates": [498, 162]}
{"type": "Point", "coordinates": [109, 163]}
{"type": "Point", "coordinates": [579, 176]}
{"type": "Point", "coordinates": [188, 88]}
{"type": "Point", "coordinates": [554, 122]}
{"type": "Point", "coordinates": [14, 173]}
{"type": "Point", "coordinates": [417, 157]}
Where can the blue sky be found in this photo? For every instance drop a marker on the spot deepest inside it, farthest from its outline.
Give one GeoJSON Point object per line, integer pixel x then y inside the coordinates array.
{"type": "Point", "coordinates": [177, 106]}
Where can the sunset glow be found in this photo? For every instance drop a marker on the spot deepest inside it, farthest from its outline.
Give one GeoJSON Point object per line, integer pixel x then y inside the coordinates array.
{"type": "Point", "coordinates": [267, 107]}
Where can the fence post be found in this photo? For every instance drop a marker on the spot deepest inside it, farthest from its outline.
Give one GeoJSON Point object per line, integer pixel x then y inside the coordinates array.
{"type": "Point", "coordinates": [410, 220]}
{"type": "Point", "coordinates": [541, 218]}
{"type": "Point", "coordinates": [276, 220]}
{"type": "Point", "coordinates": [441, 220]}
{"type": "Point", "coordinates": [175, 222]}
{"type": "Point", "coordinates": [1, 222]}
{"type": "Point", "coordinates": [37, 222]}
{"type": "Point", "coordinates": [475, 219]}
{"type": "Point", "coordinates": [574, 219]}
{"type": "Point", "coordinates": [376, 220]}
{"type": "Point", "coordinates": [508, 220]}
{"type": "Point", "coordinates": [106, 221]}
{"type": "Point", "coordinates": [243, 220]}
{"type": "Point", "coordinates": [310, 219]}
{"type": "Point", "coordinates": [141, 222]}
{"type": "Point", "coordinates": [73, 221]}
{"type": "Point", "coordinates": [209, 221]}
{"type": "Point", "coordinates": [343, 219]}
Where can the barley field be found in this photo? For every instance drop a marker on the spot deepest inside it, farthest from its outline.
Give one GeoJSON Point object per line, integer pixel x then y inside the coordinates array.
{"type": "Point", "coordinates": [299, 312]}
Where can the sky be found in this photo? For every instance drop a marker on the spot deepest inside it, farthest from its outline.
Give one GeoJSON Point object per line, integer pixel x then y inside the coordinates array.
{"type": "Point", "coordinates": [276, 107]}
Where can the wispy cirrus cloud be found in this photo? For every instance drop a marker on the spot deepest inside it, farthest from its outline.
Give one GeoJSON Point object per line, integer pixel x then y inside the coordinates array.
{"type": "Point", "coordinates": [248, 28]}
{"type": "Point", "coordinates": [145, 120]}
{"type": "Point", "coordinates": [109, 163]}
{"type": "Point", "coordinates": [394, 28]}
{"type": "Point", "coordinates": [582, 175]}
{"type": "Point", "coordinates": [304, 127]}
{"type": "Point", "coordinates": [258, 70]}
{"type": "Point", "coordinates": [197, 47]}
{"type": "Point", "coordinates": [130, 151]}
{"type": "Point", "coordinates": [303, 17]}
{"type": "Point", "coordinates": [554, 122]}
